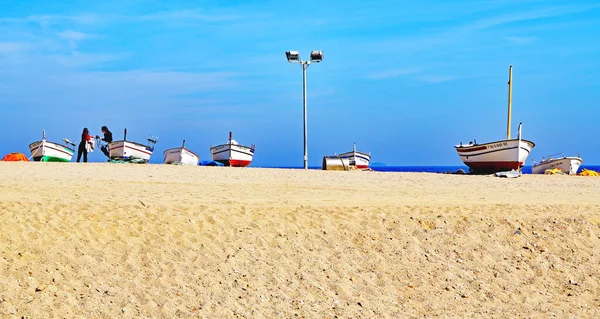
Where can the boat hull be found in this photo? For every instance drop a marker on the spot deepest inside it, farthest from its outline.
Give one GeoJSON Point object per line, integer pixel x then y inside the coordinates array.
{"type": "Point", "coordinates": [567, 164]}
{"type": "Point", "coordinates": [45, 151]}
{"type": "Point", "coordinates": [358, 159]}
{"type": "Point", "coordinates": [233, 155]}
{"type": "Point", "coordinates": [124, 150]}
{"type": "Point", "coordinates": [181, 155]}
{"type": "Point", "coordinates": [496, 156]}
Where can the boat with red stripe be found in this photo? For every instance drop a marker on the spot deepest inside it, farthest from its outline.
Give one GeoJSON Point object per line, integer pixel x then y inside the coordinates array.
{"type": "Point", "coordinates": [128, 150]}
{"type": "Point", "coordinates": [503, 155]}
{"type": "Point", "coordinates": [232, 153]}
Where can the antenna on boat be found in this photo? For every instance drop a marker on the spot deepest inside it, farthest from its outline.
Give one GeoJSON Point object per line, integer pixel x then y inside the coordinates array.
{"type": "Point", "coordinates": [43, 134]}
{"type": "Point", "coordinates": [183, 144]}
{"type": "Point", "coordinates": [125, 135]}
{"type": "Point", "coordinates": [509, 102]}
{"type": "Point", "coordinates": [230, 137]}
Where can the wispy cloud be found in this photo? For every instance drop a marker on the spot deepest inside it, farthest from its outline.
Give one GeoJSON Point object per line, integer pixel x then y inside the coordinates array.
{"type": "Point", "coordinates": [78, 59]}
{"type": "Point", "coordinates": [392, 73]}
{"type": "Point", "coordinates": [521, 40]}
{"type": "Point", "coordinates": [451, 36]}
{"type": "Point", "coordinates": [12, 47]}
{"type": "Point", "coordinates": [434, 79]}
{"type": "Point", "coordinates": [491, 22]}
{"type": "Point", "coordinates": [73, 35]}
{"type": "Point", "coordinates": [180, 15]}
{"type": "Point", "coordinates": [49, 19]}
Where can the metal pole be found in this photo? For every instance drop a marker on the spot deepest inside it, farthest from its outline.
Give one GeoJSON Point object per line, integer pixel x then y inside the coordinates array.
{"type": "Point", "coordinates": [304, 67]}
{"type": "Point", "coordinates": [509, 103]}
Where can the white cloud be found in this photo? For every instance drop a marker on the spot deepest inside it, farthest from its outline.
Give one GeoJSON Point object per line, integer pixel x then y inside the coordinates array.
{"type": "Point", "coordinates": [187, 15]}
{"type": "Point", "coordinates": [433, 79]}
{"type": "Point", "coordinates": [12, 47]}
{"type": "Point", "coordinates": [77, 59]}
{"type": "Point", "coordinates": [521, 40]}
{"type": "Point", "coordinates": [49, 19]}
{"type": "Point", "coordinates": [73, 35]}
{"type": "Point", "coordinates": [392, 73]}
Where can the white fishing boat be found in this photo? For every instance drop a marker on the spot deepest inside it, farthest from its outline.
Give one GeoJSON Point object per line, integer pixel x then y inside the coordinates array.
{"type": "Point", "coordinates": [497, 156]}
{"type": "Point", "coordinates": [567, 164]}
{"type": "Point", "coordinates": [127, 150]}
{"type": "Point", "coordinates": [46, 151]}
{"type": "Point", "coordinates": [232, 153]}
{"type": "Point", "coordinates": [347, 161]}
{"type": "Point", "coordinates": [357, 159]}
{"type": "Point", "coordinates": [181, 155]}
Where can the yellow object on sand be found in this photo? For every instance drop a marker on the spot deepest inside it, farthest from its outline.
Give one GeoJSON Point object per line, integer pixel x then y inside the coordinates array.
{"type": "Point", "coordinates": [587, 172]}
{"type": "Point", "coordinates": [553, 171]}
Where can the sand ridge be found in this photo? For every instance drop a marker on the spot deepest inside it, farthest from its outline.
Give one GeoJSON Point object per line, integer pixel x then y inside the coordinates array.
{"type": "Point", "coordinates": [115, 240]}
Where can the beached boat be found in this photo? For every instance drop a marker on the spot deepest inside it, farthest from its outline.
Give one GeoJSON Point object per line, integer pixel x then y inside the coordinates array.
{"type": "Point", "coordinates": [232, 153]}
{"type": "Point", "coordinates": [181, 155]}
{"type": "Point", "coordinates": [567, 164]}
{"type": "Point", "coordinates": [497, 156]}
{"type": "Point", "coordinates": [46, 151]}
{"type": "Point", "coordinates": [347, 161]}
{"type": "Point", "coordinates": [127, 150]}
{"type": "Point", "coordinates": [358, 159]}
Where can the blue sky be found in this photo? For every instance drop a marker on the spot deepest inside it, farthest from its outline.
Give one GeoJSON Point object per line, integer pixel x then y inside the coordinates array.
{"type": "Point", "coordinates": [405, 80]}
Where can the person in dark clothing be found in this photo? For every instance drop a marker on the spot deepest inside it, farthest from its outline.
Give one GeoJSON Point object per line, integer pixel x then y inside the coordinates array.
{"type": "Point", "coordinates": [82, 150]}
{"type": "Point", "coordinates": [107, 138]}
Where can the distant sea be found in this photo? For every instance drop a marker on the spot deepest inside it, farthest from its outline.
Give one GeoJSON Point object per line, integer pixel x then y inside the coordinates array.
{"type": "Point", "coordinates": [438, 169]}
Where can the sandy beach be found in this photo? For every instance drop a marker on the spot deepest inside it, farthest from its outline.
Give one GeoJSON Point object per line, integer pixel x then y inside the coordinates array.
{"type": "Point", "coordinates": [123, 241]}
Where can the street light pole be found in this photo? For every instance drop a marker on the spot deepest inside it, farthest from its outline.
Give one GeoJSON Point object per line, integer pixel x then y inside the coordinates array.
{"type": "Point", "coordinates": [294, 57]}
{"type": "Point", "coordinates": [304, 67]}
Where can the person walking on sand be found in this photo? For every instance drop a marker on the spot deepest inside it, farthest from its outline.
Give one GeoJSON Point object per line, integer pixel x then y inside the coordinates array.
{"type": "Point", "coordinates": [107, 138]}
{"type": "Point", "coordinates": [83, 147]}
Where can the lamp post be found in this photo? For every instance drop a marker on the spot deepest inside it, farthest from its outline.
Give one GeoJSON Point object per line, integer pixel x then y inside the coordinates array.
{"type": "Point", "coordinates": [294, 57]}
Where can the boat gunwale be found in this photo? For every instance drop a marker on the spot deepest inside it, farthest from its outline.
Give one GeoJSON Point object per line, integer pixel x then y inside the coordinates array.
{"type": "Point", "coordinates": [467, 146]}
{"type": "Point", "coordinates": [41, 141]}
{"type": "Point", "coordinates": [550, 160]}
{"type": "Point", "coordinates": [228, 144]}
{"type": "Point", "coordinates": [134, 143]}
{"type": "Point", "coordinates": [179, 148]}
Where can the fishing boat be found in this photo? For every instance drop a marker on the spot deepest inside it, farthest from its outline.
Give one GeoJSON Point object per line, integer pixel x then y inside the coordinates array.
{"type": "Point", "coordinates": [46, 151]}
{"type": "Point", "coordinates": [127, 150]}
{"type": "Point", "coordinates": [358, 159]}
{"type": "Point", "coordinates": [567, 164]}
{"type": "Point", "coordinates": [232, 153]}
{"type": "Point", "coordinates": [181, 155]}
{"type": "Point", "coordinates": [493, 157]}
{"type": "Point", "coordinates": [347, 161]}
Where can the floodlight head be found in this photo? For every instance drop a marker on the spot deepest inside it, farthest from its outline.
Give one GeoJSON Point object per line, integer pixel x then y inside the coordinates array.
{"type": "Point", "coordinates": [316, 56]}
{"type": "Point", "coordinates": [292, 56]}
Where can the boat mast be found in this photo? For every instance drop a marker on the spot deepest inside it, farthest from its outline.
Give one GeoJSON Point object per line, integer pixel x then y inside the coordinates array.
{"type": "Point", "coordinates": [509, 102]}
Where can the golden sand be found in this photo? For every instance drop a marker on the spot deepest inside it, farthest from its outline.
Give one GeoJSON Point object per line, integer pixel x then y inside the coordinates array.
{"type": "Point", "coordinates": [124, 241]}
